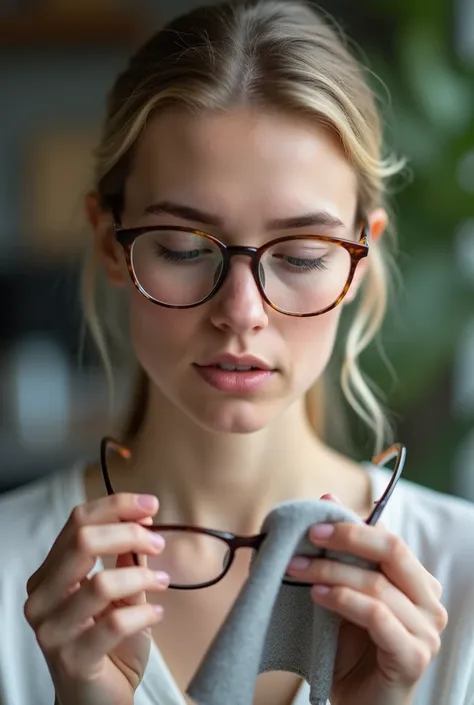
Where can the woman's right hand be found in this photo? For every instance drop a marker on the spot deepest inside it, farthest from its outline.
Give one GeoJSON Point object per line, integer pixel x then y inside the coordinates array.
{"type": "Point", "coordinates": [95, 633]}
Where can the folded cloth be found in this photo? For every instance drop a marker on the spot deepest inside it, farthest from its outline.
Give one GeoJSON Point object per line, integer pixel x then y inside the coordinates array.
{"type": "Point", "coordinates": [274, 626]}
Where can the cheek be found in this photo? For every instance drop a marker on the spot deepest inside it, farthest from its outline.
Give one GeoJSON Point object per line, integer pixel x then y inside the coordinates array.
{"type": "Point", "coordinates": [310, 342]}
{"type": "Point", "coordinates": [159, 335]}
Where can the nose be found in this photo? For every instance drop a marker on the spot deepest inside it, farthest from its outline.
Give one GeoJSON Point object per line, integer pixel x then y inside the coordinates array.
{"type": "Point", "coordinates": [238, 306]}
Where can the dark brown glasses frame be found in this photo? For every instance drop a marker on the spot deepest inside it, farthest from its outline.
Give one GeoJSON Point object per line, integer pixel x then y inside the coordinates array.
{"type": "Point", "coordinates": [397, 451]}
{"type": "Point", "coordinates": [357, 251]}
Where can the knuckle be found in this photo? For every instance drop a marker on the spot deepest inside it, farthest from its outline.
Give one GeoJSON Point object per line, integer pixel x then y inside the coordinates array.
{"type": "Point", "coordinates": [378, 585]}
{"type": "Point", "coordinates": [397, 548]}
{"type": "Point", "coordinates": [352, 533]}
{"type": "Point", "coordinates": [441, 618]}
{"type": "Point", "coordinates": [42, 636]}
{"type": "Point", "coordinates": [323, 570]}
{"type": "Point", "coordinates": [78, 516]}
{"type": "Point", "coordinates": [114, 623]}
{"type": "Point", "coordinates": [33, 613]}
{"type": "Point", "coordinates": [28, 612]}
{"type": "Point", "coordinates": [420, 660]}
{"type": "Point", "coordinates": [82, 539]}
{"type": "Point", "coordinates": [99, 585]}
{"type": "Point", "coordinates": [117, 501]}
{"type": "Point", "coordinates": [434, 642]}
{"type": "Point", "coordinates": [143, 536]}
{"type": "Point", "coordinates": [342, 596]}
{"type": "Point", "coordinates": [138, 533]}
{"type": "Point", "coordinates": [378, 614]}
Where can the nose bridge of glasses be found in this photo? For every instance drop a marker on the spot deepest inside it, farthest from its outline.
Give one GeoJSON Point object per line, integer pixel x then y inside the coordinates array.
{"type": "Point", "coordinates": [244, 250]}
{"type": "Point", "coordinates": [247, 541]}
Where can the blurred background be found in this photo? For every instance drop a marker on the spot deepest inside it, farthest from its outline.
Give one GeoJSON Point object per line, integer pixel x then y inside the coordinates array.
{"type": "Point", "coordinates": [58, 59]}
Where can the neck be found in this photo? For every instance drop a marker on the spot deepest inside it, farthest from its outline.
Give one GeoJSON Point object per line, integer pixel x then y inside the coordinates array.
{"type": "Point", "coordinates": [231, 481]}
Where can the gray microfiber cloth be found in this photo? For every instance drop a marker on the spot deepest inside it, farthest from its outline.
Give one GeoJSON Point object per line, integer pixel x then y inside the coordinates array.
{"type": "Point", "coordinates": [274, 626]}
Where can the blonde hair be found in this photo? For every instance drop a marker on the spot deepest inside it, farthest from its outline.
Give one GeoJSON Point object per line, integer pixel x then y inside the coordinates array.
{"type": "Point", "coordinates": [274, 54]}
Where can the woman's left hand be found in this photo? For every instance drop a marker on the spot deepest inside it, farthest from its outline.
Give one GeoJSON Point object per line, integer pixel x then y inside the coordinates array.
{"type": "Point", "coordinates": [392, 618]}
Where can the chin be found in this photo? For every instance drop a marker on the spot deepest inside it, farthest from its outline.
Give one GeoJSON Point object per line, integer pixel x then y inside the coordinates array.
{"type": "Point", "coordinates": [239, 417]}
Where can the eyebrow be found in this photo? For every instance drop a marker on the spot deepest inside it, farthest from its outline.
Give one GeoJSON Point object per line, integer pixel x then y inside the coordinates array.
{"type": "Point", "coordinates": [316, 218]}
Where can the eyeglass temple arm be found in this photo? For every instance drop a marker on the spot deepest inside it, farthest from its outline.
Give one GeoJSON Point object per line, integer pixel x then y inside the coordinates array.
{"type": "Point", "coordinates": [105, 444]}
{"type": "Point", "coordinates": [365, 235]}
{"type": "Point", "coordinates": [397, 450]}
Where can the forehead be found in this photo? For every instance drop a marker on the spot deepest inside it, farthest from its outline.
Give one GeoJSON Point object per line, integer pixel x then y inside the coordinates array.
{"type": "Point", "coordinates": [242, 164]}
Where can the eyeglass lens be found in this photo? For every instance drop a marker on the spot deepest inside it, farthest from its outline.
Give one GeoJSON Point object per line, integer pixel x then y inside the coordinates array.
{"type": "Point", "coordinates": [191, 558]}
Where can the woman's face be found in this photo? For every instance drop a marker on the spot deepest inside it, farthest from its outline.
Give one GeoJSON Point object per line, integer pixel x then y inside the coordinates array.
{"type": "Point", "coordinates": [231, 174]}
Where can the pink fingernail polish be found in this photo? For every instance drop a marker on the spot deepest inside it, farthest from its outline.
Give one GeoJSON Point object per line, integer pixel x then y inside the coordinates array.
{"type": "Point", "coordinates": [162, 578]}
{"type": "Point", "coordinates": [299, 563]}
{"type": "Point", "coordinates": [147, 501]}
{"type": "Point", "coordinates": [157, 540]}
{"type": "Point", "coordinates": [321, 531]}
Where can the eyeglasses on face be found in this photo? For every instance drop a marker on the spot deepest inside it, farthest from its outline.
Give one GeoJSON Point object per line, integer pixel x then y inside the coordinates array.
{"type": "Point", "coordinates": [180, 267]}
{"type": "Point", "coordinates": [217, 549]}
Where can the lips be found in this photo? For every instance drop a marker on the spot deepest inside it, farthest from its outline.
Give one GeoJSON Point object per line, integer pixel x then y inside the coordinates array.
{"type": "Point", "coordinates": [236, 374]}
{"type": "Point", "coordinates": [235, 381]}
{"type": "Point", "coordinates": [236, 363]}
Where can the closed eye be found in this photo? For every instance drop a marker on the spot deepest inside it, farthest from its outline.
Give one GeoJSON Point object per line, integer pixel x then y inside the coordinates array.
{"type": "Point", "coordinates": [303, 265]}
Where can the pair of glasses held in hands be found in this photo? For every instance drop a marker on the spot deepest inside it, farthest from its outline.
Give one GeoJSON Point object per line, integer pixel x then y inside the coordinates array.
{"type": "Point", "coordinates": [216, 549]}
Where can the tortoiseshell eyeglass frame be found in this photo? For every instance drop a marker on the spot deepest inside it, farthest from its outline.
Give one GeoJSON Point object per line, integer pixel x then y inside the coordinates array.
{"type": "Point", "coordinates": [356, 249]}
{"type": "Point", "coordinates": [396, 451]}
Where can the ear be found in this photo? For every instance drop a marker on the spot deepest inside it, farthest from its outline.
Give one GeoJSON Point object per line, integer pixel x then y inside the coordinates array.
{"type": "Point", "coordinates": [108, 249]}
{"type": "Point", "coordinates": [377, 223]}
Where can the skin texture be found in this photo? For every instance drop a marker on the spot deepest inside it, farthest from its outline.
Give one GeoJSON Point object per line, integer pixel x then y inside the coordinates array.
{"type": "Point", "coordinates": [243, 453]}
{"type": "Point", "coordinates": [203, 164]}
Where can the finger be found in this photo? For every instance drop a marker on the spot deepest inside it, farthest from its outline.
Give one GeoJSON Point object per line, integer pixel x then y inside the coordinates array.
{"type": "Point", "coordinates": [402, 657]}
{"type": "Point", "coordinates": [331, 498]}
{"type": "Point", "coordinates": [373, 584]}
{"type": "Point", "coordinates": [123, 561]}
{"type": "Point", "coordinates": [126, 560]}
{"type": "Point", "coordinates": [90, 542]}
{"type": "Point", "coordinates": [119, 507]}
{"type": "Point", "coordinates": [390, 552]}
{"type": "Point", "coordinates": [105, 588]}
{"type": "Point", "coordinates": [111, 630]}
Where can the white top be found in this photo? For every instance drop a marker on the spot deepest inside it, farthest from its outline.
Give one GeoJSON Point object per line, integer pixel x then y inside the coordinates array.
{"type": "Point", "coordinates": [438, 528]}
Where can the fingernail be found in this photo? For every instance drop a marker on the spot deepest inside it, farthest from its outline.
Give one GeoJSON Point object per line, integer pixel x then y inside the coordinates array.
{"type": "Point", "coordinates": [320, 589]}
{"type": "Point", "coordinates": [159, 610]}
{"type": "Point", "coordinates": [147, 501]}
{"type": "Point", "coordinates": [321, 531]}
{"type": "Point", "coordinates": [299, 563]}
{"type": "Point", "coordinates": [157, 540]}
{"type": "Point", "coordinates": [162, 578]}
{"type": "Point", "coordinates": [331, 498]}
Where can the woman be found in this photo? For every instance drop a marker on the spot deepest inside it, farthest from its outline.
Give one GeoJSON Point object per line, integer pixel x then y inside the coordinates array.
{"type": "Point", "coordinates": [241, 127]}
